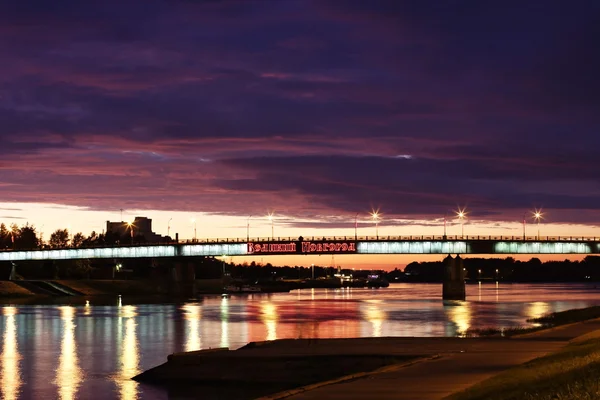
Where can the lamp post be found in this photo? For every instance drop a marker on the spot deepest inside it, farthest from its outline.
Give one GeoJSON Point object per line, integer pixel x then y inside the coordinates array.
{"type": "Point", "coordinates": [461, 214]}
{"type": "Point", "coordinates": [270, 217]}
{"type": "Point", "coordinates": [194, 222]}
{"type": "Point", "coordinates": [375, 217]}
{"type": "Point", "coordinates": [445, 227]}
{"type": "Point", "coordinates": [356, 227]}
{"type": "Point", "coordinates": [248, 228]}
{"type": "Point", "coordinates": [537, 215]}
{"type": "Point", "coordinates": [524, 236]}
{"type": "Point", "coordinates": [169, 227]}
{"type": "Point", "coordinates": [130, 225]}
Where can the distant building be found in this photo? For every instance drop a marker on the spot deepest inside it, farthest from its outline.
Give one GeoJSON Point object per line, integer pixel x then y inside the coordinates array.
{"type": "Point", "coordinates": [141, 226]}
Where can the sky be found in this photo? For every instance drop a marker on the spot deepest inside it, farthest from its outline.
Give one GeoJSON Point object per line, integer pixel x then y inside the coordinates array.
{"type": "Point", "coordinates": [314, 111]}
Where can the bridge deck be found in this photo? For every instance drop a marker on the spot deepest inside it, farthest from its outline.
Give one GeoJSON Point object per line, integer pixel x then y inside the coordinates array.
{"type": "Point", "coordinates": [334, 245]}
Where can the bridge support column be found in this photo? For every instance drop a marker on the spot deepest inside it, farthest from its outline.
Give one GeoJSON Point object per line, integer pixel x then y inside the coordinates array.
{"type": "Point", "coordinates": [454, 279]}
{"type": "Point", "coordinates": [13, 272]}
{"type": "Point", "coordinates": [182, 278]}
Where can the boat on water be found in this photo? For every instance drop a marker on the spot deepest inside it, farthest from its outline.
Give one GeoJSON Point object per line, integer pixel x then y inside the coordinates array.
{"type": "Point", "coordinates": [377, 281]}
{"type": "Point", "coordinates": [242, 289]}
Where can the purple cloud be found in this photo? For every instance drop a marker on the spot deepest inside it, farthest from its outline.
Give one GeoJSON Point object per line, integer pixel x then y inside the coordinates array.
{"type": "Point", "coordinates": [315, 107]}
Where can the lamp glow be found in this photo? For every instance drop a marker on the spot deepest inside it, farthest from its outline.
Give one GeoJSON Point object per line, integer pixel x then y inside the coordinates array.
{"type": "Point", "coordinates": [376, 218]}
{"type": "Point", "coordinates": [462, 214]}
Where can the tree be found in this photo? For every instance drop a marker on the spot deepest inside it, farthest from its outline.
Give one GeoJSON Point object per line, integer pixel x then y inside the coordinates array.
{"type": "Point", "coordinates": [78, 240]}
{"type": "Point", "coordinates": [59, 239]}
{"type": "Point", "coordinates": [26, 237]}
{"type": "Point", "coordinates": [5, 240]}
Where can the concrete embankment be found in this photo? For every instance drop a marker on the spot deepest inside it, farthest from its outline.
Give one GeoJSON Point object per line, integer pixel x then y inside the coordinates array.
{"type": "Point", "coordinates": [97, 287]}
{"type": "Point", "coordinates": [266, 367]}
{"type": "Point", "coordinates": [400, 368]}
{"type": "Point", "coordinates": [10, 289]}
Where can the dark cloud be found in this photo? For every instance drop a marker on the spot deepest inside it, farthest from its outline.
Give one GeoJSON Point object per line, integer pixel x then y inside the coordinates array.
{"type": "Point", "coordinates": [313, 107]}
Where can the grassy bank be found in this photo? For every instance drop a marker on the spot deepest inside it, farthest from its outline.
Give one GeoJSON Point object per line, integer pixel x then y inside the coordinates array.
{"type": "Point", "coordinates": [545, 322]}
{"type": "Point", "coordinates": [571, 373]}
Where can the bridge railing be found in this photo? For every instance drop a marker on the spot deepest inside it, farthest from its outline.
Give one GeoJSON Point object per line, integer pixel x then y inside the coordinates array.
{"type": "Point", "coordinates": [379, 238]}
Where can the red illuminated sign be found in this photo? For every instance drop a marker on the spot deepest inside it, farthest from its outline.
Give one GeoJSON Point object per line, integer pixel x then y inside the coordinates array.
{"type": "Point", "coordinates": [328, 247]}
{"type": "Point", "coordinates": [268, 248]}
{"type": "Point", "coordinates": [303, 247]}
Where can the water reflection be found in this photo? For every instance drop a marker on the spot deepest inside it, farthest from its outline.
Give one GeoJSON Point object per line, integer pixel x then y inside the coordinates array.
{"type": "Point", "coordinates": [497, 291]}
{"type": "Point", "coordinates": [459, 314]}
{"type": "Point", "coordinates": [192, 314]}
{"type": "Point", "coordinates": [43, 352]}
{"type": "Point", "coordinates": [268, 314]}
{"type": "Point", "coordinates": [69, 374]}
{"type": "Point", "coordinates": [537, 309]}
{"type": "Point", "coordinates": [375, 315]}
{"type": "Point", "coordinates": [224, 322]}
{"type": "Point", "coordinates": [128, 388]}
{"type": "Point", "coordinates": [11, 374]}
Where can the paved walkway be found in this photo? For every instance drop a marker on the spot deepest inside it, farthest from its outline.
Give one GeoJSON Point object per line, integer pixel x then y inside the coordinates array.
{"type": "Point", "coordinates": [456, 368]}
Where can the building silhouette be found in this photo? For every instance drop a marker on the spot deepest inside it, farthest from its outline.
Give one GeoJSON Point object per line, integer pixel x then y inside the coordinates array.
{"type": "Point", "coordinates": [141, 226]}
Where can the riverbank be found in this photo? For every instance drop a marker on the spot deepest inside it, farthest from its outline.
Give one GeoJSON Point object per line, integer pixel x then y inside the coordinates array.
{"type": "Point", "coordinates": [447, 365]}
{"type": "Point", "coordinates": [97, 287]}
{"type": "Point", "coordinates": [570, 373]}
{"type": "Point", "coordinates": [10, 289]}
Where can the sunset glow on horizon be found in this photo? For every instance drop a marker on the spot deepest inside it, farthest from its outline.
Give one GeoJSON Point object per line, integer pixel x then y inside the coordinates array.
{"type": "Point", "coordinates": [387, 117]}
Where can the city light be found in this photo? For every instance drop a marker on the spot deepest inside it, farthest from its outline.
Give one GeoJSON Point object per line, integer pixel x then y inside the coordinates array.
{"type": "Point", "coordinates": [375, 216]}
{"type": "Point", "coordinates": [462, 214]}
{"type": "Point", "coordinates": [537, 216]}
{"type": "Point", "coordinates": [130, 225]}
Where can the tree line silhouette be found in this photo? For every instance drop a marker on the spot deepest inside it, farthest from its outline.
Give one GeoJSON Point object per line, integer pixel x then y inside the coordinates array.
{"type": "Point", "coordinates": [27, 237]}
{"type": "Point", "coordinates": [511, 270]}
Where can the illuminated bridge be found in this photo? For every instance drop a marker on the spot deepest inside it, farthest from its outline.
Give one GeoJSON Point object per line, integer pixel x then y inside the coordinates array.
{"type": "Point", "coordinates": [488, 245]}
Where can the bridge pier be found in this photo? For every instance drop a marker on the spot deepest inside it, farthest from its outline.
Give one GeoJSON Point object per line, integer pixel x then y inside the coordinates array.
{"type": "Point", "coordinates": [454, 279]}
{"type": "Point", "coordinates": [182, 278]}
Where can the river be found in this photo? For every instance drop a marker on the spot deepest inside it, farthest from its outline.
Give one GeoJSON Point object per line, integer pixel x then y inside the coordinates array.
{"type": "Point", "coordinates": [79, 350]}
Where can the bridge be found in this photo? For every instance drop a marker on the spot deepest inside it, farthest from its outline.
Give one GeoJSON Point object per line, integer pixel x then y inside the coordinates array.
{"type": "Point", "coordinates": [484, 245]}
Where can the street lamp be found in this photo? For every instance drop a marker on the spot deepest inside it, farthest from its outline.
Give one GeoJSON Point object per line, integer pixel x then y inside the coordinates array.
{"type": "Point", "coordinates": [524, 236]}
{"type": "Point", "coordinates": [194, 222]}
{"type": "Point", "coordinates": [375, 217]}
{"type": "Point", "coordinates": [270, 217]}
{"type": "Point", "coordinates": [131, 226]}
{"type": "Point", "coordinates": [248, 228]}
{"type": "Point", "coordinates": [356, 227]}
{"type": "Point", "coordinates": [445, 227]}
{"type": "Point", "coordinates": [537, 215]}
{"type": "Point", "coordinates": [462, 214]}
{"type": "Point", "coordinates": [169, 227]}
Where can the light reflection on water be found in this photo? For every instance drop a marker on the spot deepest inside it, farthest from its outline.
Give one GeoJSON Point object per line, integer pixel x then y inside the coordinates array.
{"type": "Point", "coordinates": [68, 373]}
{"type": "Point", "coordinates": [78, 350]}
{"type": "Point", "coordinates": [11, 373]}
{"type": "Point", "coordinates": [129, 354]}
